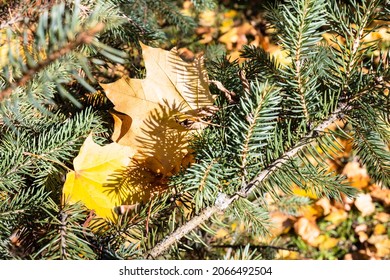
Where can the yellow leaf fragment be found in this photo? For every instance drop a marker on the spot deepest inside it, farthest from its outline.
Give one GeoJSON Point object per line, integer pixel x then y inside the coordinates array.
{"type": "Point", "coordinates": [95, 170]}
{"type": "Point", "coordinates": [301, 192]}
{"type": "Point", "coordinates": [337, 216]}
{"type": "Point", "coordinates": [287, 255]}
{"type": "Point", "coordinates": [325, 242]}
{"type": "Point", "coordinates": [380, 229]}
{"type": "Point", "coordinates": [221, 233]}
{"type": "Point", "coordinates": [311, 212]}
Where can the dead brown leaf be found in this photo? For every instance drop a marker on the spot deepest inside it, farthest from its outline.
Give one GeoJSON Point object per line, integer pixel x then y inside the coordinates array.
{"type": "Point", "coordinates": [380, 194]}
{"type": "Point", "coordinates": [356, 174]}
{"type": "Point", "coordinates": [281, 223]}
{"type": "Point", "coordinates": [147, 110]}
{"type": "Point", "coordinates": [382, 245]}
{"type": "Point", "coordinates": [307, 230]}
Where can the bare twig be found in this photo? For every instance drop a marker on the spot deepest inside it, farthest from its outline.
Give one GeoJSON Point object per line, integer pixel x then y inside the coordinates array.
{"type": "Point", "coordinates": [260, 247]}
{"type": "Point", "coordinates": [223, 201]}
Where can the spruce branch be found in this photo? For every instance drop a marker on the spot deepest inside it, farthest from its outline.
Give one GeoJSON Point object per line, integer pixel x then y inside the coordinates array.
{"type": "Point", "coordinates": [85, 37]}
{"type": "Point", "coordinates": [223, 201]}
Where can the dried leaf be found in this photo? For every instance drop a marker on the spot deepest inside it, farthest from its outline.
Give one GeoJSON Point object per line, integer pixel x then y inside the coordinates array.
{"type": "Point", "coordinates": [281, 223]}
{"type": "Point", "coordinates": [326, 242]}
{"type": "Point", "coordinates": [364, 204]}
{"type": "Point", "coordinates": [146, 110]}
{"type": "Point", "coordinates": [380, 194]}
{"type": "Point", "coordinates": [382, 245]}
{"type": "Point", "coordinates": [361, 227]}
{"type": "Point", "coordinates": [325, 204]}
{"type": "Point", "coordinates": [362, 236]}
{"type": "Point", "coordinates": [311, 212]}
{"type": "Point", "coordinates": [337, 216]}
{"type": "Point", "coordinates": [307, 230]}
{"type": "Point", "coordinates": [357, 175]}
{"type": "Point", "coordinates": [382, 217]}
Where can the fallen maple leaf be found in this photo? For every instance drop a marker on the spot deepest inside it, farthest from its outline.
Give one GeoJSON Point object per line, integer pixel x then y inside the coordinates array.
{"type": "Point", "coordinates": [151, 142]}
{"type": "Point", "coordinates": [147, 110]}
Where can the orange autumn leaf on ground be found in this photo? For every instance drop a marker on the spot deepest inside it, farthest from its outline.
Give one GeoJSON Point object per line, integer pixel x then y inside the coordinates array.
{"type": "Point", "coordinates": [307, 230]}
{"type": "Point", "coordinates": [95, 167]}
{"type": "Point", "coordinates": [364, 204]}
{"type": "Point", "coordinates": [356, 174]}
{"type": "Point", "coordinates": [281, 223]}
{"type": "Point", "coordinates": [148, 111]}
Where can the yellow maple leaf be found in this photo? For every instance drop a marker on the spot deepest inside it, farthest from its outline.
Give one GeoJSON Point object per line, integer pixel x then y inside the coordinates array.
{"type": "Point", "coordinates": [146, 110]}
{"type": "Point", "coordinates": [95, 170]}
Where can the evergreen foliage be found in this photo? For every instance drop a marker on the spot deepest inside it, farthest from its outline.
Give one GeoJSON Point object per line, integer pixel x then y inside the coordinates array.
{"type": "Point", "coordinates": [269, 134]}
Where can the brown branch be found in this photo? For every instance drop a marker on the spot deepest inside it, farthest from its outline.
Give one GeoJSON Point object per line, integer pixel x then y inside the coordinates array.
{"type": "Point", "coordinates": [260, 247]}
{"type": "Point", "coordinates": [85, 37]}
{"type": "Point", "coordinates": [223, 201]}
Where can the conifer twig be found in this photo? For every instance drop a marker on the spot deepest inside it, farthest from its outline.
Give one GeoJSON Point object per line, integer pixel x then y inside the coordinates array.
{"type": "Point", "coordinates": [223, 201]}
{"type": "Point", "coordinates": [84, 37]}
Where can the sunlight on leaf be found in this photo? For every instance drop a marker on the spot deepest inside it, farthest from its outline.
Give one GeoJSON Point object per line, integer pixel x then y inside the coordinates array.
{"type": "Point", "coordinates": [94, 167]}
{"type": "Point", "coordinates": [149, 112]}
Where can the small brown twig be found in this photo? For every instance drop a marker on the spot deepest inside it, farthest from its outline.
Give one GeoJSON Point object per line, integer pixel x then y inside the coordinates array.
{"type": "Point", "coordinates": [229, 95]}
